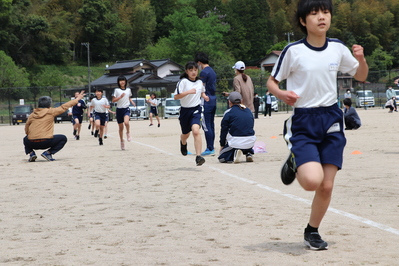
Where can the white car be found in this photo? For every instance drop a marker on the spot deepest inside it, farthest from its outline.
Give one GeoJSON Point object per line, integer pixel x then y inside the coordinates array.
{"type": "Point", "coordinates": [171, 108]}
{"type": "Point", "coordinates": [140, 110]}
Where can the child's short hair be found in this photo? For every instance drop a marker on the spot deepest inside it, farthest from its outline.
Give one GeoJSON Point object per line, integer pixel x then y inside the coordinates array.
{"type": "Point", "coordinates": [306, 6]}
{"type": "Point", "coordinates": [348, 102]}
{"type": "Point", "coordinates": [100, 90]}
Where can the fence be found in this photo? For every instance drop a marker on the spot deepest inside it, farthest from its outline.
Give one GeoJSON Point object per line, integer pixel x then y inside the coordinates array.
{"type": "Point", "coordinates": [10, 97]}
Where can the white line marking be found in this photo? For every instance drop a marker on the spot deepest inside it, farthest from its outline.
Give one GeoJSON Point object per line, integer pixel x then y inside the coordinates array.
{"type": "Point", "coordinates": [336, 211]}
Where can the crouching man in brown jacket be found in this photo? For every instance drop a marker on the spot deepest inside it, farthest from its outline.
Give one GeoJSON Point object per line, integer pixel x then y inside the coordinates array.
{"type": "Point", "coordinates": [39, 128]}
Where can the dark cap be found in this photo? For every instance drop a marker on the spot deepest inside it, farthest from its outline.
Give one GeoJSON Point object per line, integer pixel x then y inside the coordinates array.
{"type": "Point", "coordinates": [235, 97]}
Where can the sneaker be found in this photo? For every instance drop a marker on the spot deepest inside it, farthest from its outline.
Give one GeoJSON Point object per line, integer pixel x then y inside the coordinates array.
{"type": "Point", "coordinates": [92, 133]}
{"type": "Point", "coordinates": [249, 157]}
{"type": "Point", "coordinates": [77, 137]}
{"type": "Point", "coordinates": [199, 160]}
{"type": "Point", "coordinates": [89, 127]}
{"type": "Point", "coordinates": [46, 155]}
{"type": "Point", "coordinates": [129, 138]}
{"type": "Point", "coordinates": [96, 134]}
{"type": "Point", "coordinates": [288, 171]}
{"type": "Point", "coordinates": [237, 155]}
{"type": "Point", "coordinates": [122, 145]}
{"type": "Point", "coordinates": [100, 141]}
{"type": "Point", "coordinates": [183, 149]}
{"type": "Point", "coordinates": [159, 125]}
{"type": "Point", "coordinates": [150, 125]}
{"type": "Point", "coordinates": [32, 157]}
{"type": "Point", "coordinates": [208, 152]}
{"type": "Point", "coordinates": [74, 132]}
{"type": "Point", "coordinates": [105, 136]}
{"type": "Point", "coordinates": [314, 242]}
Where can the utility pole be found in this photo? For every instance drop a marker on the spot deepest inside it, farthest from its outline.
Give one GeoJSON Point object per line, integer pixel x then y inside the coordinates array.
{"type": "Point", "coordinates": [289, 34]}
{"type": "Point", "coordinates": [87, 44]}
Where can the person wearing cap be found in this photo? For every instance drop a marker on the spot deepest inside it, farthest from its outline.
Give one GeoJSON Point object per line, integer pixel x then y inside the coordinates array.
{"type": "Point", "coordinates": [243, 84]}
{"type": "Point", "coordinates": [122, 97]}
{"type": "Point", "coordinates": [237, 135]}
{"type": "Point", "coordinates": [39, 128]}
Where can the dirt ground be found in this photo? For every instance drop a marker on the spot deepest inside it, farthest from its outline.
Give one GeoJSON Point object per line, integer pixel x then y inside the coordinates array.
{"type": "Point", "coordinates": [149, 205]}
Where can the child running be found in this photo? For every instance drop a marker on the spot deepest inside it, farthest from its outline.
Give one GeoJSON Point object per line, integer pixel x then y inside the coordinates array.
{"type": "Point", "coordinates": [122, 96]}
{"type": "Point", "coordinates": [153, 108]}
{"type": "Point", "coordinates": [315, 132]}
{"type": "Point", "coordinates": [77, 116]}
{"type": "Point", "coordinates": [189, 91]}
{"type": "Point", "coordinates": [100, 105]}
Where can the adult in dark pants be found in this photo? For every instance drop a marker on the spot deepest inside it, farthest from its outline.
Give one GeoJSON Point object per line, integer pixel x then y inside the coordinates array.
{"type": "Point", "coordinates": [256, 105]}
{"type": "Point", "coordinates": [39, 128]}
{"type": "Point", "coordinates": [268, 104]}
{"type": "Point", "coordinates": [208, 77]}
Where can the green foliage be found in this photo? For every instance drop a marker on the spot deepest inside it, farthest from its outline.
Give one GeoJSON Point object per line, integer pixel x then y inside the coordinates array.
{"type": "Point", "coordinates": [142, 93]}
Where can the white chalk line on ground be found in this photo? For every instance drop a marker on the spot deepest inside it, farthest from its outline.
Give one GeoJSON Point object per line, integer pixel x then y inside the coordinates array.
{"type": "Point", "coordinates": [279, 192]}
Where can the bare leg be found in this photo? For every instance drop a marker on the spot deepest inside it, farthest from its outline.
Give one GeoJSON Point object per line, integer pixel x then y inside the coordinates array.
{"type": "Point", "coordinates": [197, 139]}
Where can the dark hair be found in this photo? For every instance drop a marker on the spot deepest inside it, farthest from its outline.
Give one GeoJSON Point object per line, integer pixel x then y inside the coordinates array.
{"type": "Point", "coordinates": [189, 65]}
{"type": "Point", "coordinates": [244, 76]}
{"type": "Point", "coordinates": [154, 95]}
{"type": "Point", "coordinates": [122, 77]}
{"type": "Point", "coordinates": [305, 7]}
{"type": "Point", "coordinates": [44, 102]}
{"type": "Point", "coordinates": [348, 102]}
{"type": "Point", "coordinates": [100, 90]}
{"type": "Point", "coordinates": [201, 57]}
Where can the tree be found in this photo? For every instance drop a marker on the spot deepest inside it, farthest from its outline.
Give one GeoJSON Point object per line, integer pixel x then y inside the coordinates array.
{"type": "Point", "coordinates": [11, 76]}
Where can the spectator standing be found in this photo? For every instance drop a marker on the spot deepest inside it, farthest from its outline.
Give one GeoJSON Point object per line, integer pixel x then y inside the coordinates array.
{"type": "Point", "coordinates": [256, 104]}
{"type": "Point", "coordinates": [208, 78]}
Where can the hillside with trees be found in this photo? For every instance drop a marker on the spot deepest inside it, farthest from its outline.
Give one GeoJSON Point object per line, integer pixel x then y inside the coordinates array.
{"type": "Point", "coordinates": [51, 32]}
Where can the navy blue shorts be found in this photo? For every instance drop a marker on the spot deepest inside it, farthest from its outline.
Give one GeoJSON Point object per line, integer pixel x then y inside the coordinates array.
{"type": "Point", "coordinates": [121, 113]}
{"type": "Point", "coordinates": [316, 135]}
{"type": "Point", "coordinates": [154, 110]}
{"type": "Point", "coordinates": [102, 117]}
{"type": "Point", "coordinates": [79, 117]}
{"type": "Point", "coordinates": [188, 117]}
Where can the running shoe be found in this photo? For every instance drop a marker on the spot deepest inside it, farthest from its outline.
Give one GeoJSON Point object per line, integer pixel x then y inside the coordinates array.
{"type": "Point", "coordinates": [89, 127]}
{"type": "Point", "coordinates": [32, 157]}
{"type": "Point", "coordinates": [77, 137]}
{"type": "Point", "coordinates": [105, 136]}
{"type": "Point", "coordinates": [129, 138]}
{"type": "Point", "coordinates": [46, 155]}
{"type": "Point", "coordinates": [199, 160]}
{"type": "Point", "coordinates": [122, 145]}
{"type": "Point", "coordinates": [288, 171]}
{"type": "Point", "coordinates": [74, 132]}
{"type": "Point", "coordinates": [159, 125]}
{"type": "Point", "coordinates": [96, 134]}
{"type": "Point", "coordinates": [208, 152]}
{"type": "Point", "coordinates": [237, 155]}
{"type": "Point", "coordinates": [150, 125]}
{"type": "Point", "coordinates": [100, 141]}
{"type": "Point", "coordinates": [314, 242]}
{"type": "Point", "coordinates": [183, 149]}
{"type": "Point", "coordinates": [249, 158]}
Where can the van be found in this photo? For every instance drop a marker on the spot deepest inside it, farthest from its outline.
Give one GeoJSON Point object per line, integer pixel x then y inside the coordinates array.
{"type": "Point", "coordinates": [365, 98]}
{"type": "Point", "coordinates": [140, 110]}
{"type": "Point", "coordinates": [21, 114]}
{"type": "Point", "coordinates": [171, 108]}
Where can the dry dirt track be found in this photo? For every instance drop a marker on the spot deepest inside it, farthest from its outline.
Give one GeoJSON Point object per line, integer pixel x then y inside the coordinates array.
{"type": "Point", "coordinates": [148, 205]}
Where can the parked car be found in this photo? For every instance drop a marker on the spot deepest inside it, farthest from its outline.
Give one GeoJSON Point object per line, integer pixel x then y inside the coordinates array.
{"type": "Point", "coordinates": [21, 114]}
{"type": "Point", "coordinates": [364, 98]}
{"type": "Point", "coordinates": [140, 110]}
{"type": "Point", "coordinates": [171, 108]}
{"type": "Point", "coordinates": [62, 117]}
{"type": "Point", "coordinates": [274, 104]}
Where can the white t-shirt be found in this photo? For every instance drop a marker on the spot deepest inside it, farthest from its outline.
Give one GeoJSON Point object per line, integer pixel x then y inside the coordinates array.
{"type": "Point", "coordinates": [311, 72]}
{"type": "Point", "coordinates": [99, 105]}
{"type": "Point", "coordinates": [154, 102]}
{"type": "Point", "coordinates": [190, 100]}
{"type": "Point", "coordinates": [124, 102]}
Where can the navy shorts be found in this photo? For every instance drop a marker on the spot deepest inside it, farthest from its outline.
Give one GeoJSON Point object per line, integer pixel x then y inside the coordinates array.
{"type": "Point", "coordinates": [102, 117]}
{"type": "Point", "coordinates": [121, 113]}
{"type": "Point", "coordinates": [188, 117]}
{"type": "Point", "coordinates": [79, 117]}
{"type": "Point", "coordinates": [316, 135]}
{"type": "Point", "coordinates": [154, 110]}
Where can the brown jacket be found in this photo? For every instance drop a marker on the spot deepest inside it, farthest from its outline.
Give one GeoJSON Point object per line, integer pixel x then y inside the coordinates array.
{"type": "Point", "coordinates": [40, 124]}
{"type": "Point", "coordinates": [246, 89]}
